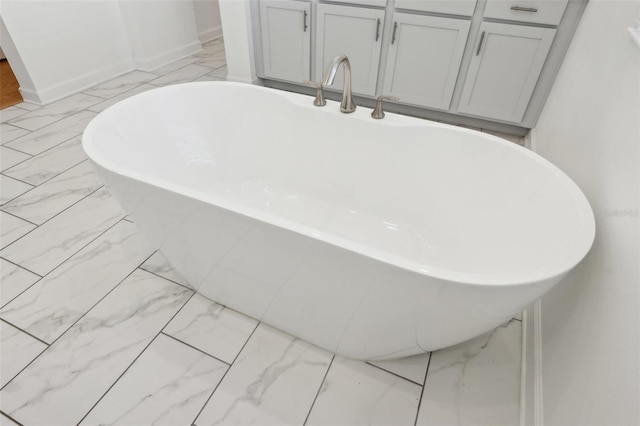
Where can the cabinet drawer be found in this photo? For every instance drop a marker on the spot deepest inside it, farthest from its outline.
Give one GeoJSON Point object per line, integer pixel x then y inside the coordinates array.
{"type": "Point", "coordinates": [539, 12]}
{"type": "Point", "coordinates": [451, 7]}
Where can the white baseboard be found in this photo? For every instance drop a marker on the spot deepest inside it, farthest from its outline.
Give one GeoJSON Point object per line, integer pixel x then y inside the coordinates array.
{"type": "Point", "coordinates": [77, 84]}
{"type": "Point", "coordinates": [531, 402]}
{"type": "Point", "coordinates": [150, 64]}
{"type": "Point", "coordinates": [30, 96]}
{"type": "Point", "coordinates": [210, 34]}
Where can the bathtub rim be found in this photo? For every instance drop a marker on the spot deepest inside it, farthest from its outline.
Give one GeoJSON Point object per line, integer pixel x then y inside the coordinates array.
{"type": "Point", "coordinates": [391, 119]}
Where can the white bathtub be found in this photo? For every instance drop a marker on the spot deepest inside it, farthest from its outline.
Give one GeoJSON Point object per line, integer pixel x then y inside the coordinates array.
{"type": "Point", "coordinates": [370, 238]}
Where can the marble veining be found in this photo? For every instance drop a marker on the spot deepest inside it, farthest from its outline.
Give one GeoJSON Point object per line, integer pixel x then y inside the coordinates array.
{"type": "Point", "coordinates": [9, 133]}
{"type": "Point", "coordinates": [62, 385]}
{"type": "Point", "coordinates": [120, 84]}
{"type": "Point", "coordinates": [11, 188]}
{"type": "Point", "coordinates": [455, 392]}
{"type": "Point", "coordinates": [49, 164]}
{"type": "Point", "coordinates": [108, 102]}
{"type": "Point", "coordinates": [12, 228]}
{"type": "Point", "coordinates": [212, 328]}
{"type": "Point", "coordinates": [130, 344]}
{"type": "Point", "coordinates": [158, 264]}
{"type": "Point", "coordinates": [144, 397]}
{"type": "Point", "coordinates": [10, 113]}
{"type": "Point", "coordinates": [355, 393]}
{"type": "Point", "coordinates": [47, 246]}
{"type": "Point", "coordinates": [13, 281]}
{"type": "Point", "coordinates": [54, 134]}
{"type": "Point", "coordinates": [273, 381]}
{"type": "Point", "coordinates": [17, 350]}
{"type": "Point", "coordinates": [10, 157]}
{"type": "Point", "coordinates": [51, 113]}
{"type": "Point", "coordinates": [52, 305]}
{"type": "Point", "coordinates": [47, 200]}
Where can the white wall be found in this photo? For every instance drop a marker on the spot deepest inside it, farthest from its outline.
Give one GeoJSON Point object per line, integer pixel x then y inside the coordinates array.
{"type": "Point", "coordinates": [208, 19]}
{"type": "Point", "coordinates": [160, 31]}
{"type": "Point", "coordinates": [590, 128]}
{"type": "Point", "coordinates": [62, 46]}
{"type": "Point", "coordinates": [238, 40]}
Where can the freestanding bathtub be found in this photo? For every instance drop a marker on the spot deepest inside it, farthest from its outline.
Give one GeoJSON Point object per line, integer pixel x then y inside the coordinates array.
{"type": "Point", "coordinates": [370, 238]}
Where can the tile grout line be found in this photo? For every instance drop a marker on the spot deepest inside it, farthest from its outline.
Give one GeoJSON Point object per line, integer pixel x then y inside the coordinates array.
{"type": "Point", "coordinates": [225, 374]}
{"type": "Point", "coordinates": [65, 115]}
{"type": "Point", "coordinates": [71, 326]}
{"type": "Point", "coordinates": [158, 275]}
{"type": "Point", "coordinates": [51, 218]}
{"type": "Point", "coordinates": [53, 122]}
{"type": "Point", "coordinates": [18, 163]}
{"type": "Point", "coordinates": [48, 149]}
{"type": "Point", "coordinates": [45, 275]}
{"type": "Point", "coordinates": [193, 347]}
{"type": "Point", "coordinates": [84, 91]}
{"type": "Point", "coordinates": [7, 176]}
{"type": "Point", "coordinates": [11, 418]}
{"type": "Point", "coordinates": [21, 370]}
{"type": "Point", "coordinates": [17, 217]}
{"type": "Point", "coordinates": [36, 156]}
{"type": "Point", "coordinates": [19, 266]}
{"type": "Point", "coordinates": [113, 97]}
{"type": "Point", "coordinates": [424, 385]}
{"type": "Point", "coordinates": [394, 374]}
{"type": "Point", "coordinates": [324, 378]}
{"type": "Point", "coordinates": [19, 180]}
{"type": "Point", "coordinates": [24, 331]}
{"type": "Point", "coordinates": [136, 358]}
{"type": "Point", "coordinates": [45, 181]}
{"type": "Point", "coordinates": [44, 127]}
{"type": "Point", "coordinates": [72, 254]}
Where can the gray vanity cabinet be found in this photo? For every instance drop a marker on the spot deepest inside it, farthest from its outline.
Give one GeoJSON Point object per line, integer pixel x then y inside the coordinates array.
{"type": "Point", "coordinates": [355, 32]}
{"type": "Point", "coordinates": [507, 61]}
{"type": "Point", "coordinates": [424, 58]}
{"type": "Point", "coordinates": [286, 39]}
{"type": "Point", "coordinates": [481, 63]}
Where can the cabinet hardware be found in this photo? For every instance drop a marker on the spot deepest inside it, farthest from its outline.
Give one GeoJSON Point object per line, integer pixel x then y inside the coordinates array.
{"type": "Point", "coordinates": [524, 9]}
{"type": "Point", "coordinates": [319, 100]}
{"type": "Point", "coordinates": [304, 22]}
{"type": "Point", "coordinates": [378, 30]}
{"type": "Point", "coordinates": [480, 44]}
{"type": "Point", "coordinates": [378, 112]}
{"type": "Point", "coordinates": [393, 36]}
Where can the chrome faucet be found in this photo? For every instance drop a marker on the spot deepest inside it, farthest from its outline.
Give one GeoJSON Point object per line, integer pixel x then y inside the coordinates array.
{"type": "Point", "coordinates": [347, 105]}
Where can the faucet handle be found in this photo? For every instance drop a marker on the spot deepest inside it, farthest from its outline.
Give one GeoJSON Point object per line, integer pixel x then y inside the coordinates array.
{"type": "Point", "coordinates": [378, 113]}
{"type": "Point", "coordinates": [319, 100]}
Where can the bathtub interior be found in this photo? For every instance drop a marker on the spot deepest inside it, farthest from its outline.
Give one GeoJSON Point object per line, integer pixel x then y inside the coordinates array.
{"type": "Point", "coordinates": [436, 199]}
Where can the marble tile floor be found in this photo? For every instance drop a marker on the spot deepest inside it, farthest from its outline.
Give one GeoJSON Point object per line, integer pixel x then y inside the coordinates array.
{"type": "Point", "coordinates": [95, 328]}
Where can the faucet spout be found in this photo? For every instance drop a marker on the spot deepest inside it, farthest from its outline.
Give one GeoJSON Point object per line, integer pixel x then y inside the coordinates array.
{"type": "Point", "coordinates": [347, 105]}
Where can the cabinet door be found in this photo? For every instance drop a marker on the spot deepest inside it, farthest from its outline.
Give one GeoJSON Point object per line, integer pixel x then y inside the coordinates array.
{"type": "Point", "coordinates": [355, 32]}
{"type": "Point", "coordinates": [286, 41]}
{"type": "Point", "coordinates": [424, 59]}
{"type": "Point", "coordinates": [506, 64]}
